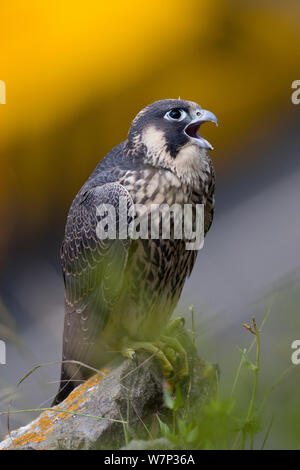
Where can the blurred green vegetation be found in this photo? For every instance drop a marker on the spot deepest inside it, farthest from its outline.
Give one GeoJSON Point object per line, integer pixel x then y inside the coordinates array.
{"type": "Point", "coordinates": [256, 405]}
{"type": "Point", "coordinates": [257, 401]}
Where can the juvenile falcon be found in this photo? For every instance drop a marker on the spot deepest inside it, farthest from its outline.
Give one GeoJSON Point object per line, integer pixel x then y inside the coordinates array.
{"type": "Point", "coordinates": [121, 292]}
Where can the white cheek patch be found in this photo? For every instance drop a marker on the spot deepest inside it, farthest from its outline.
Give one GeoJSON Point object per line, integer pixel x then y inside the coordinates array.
{"type": "Point", "coordinates": [154, 139]}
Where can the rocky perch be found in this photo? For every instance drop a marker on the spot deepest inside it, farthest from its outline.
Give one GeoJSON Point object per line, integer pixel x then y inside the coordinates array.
{"type": "Point", "coordinates": [114, 407]}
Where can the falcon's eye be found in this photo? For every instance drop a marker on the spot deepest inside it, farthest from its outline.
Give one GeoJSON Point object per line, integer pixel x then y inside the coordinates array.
{"type": "Point", "coordinates": [175, 114]}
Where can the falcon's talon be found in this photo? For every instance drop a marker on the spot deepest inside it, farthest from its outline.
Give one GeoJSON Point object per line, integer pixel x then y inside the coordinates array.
{"type": "Point", "coordinates": [129, 353]}
{"type": "Point", "coordinates": [135, 359]}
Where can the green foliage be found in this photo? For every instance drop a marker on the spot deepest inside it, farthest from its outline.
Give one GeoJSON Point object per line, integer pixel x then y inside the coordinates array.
{"type": "Point", "coordinates": [220, 423]}
{"type": "Point", "coordinates": [227, 420]}
{"type": "Point", "coordinates": [246, 361]}
{"type": "Point", "coordinates": [208, 428]}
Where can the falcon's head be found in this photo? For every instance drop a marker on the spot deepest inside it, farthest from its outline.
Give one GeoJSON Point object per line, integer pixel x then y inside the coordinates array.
{"type": "Point", "coordinates": [166, 132]}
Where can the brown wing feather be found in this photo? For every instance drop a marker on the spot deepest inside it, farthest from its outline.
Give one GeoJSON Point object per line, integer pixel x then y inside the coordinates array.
{"type": "Point", "coordinates": [93, 275]}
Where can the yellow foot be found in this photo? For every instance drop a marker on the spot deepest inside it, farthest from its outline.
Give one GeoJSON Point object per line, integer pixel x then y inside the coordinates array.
{"type": "Point", "coordinates": [155, 348]}
{"type": "Point", "coordinates": [171, 331]}
{"type": "Point", "coordinates": [178, 348]}
{"type": "Point", "coordinates": [167, 349]}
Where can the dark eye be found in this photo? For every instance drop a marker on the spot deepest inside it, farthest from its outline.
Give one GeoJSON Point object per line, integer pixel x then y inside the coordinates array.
{"type": "Point", "coordinates": [175, 114]}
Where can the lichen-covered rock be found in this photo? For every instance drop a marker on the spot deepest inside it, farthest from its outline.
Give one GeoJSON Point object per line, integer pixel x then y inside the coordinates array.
{"type": "Point", "coordinates": [111, 407]}
{"type": "Point", "coordinates": [100, 405]}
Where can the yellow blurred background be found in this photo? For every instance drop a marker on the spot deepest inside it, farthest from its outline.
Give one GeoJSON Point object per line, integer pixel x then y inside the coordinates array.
{"type": "Point", "coordinates": [76, 74]}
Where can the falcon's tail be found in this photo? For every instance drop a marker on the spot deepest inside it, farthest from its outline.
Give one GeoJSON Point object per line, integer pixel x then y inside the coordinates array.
{"type": "Point", "coordinates": [71, 377]}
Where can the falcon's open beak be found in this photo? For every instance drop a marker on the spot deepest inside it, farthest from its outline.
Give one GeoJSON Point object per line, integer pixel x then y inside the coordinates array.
{"type": "Point", "coordinates": [193, 127]}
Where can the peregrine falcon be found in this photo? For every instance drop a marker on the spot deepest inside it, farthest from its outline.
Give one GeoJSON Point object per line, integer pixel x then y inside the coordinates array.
{"type": "Point", "coordinates": [120, 293]}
